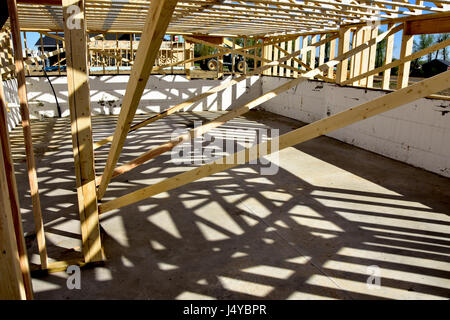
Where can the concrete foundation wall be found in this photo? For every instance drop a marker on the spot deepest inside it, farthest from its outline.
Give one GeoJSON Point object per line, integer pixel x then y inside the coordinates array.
{"type": "Point", "coordinates": [12, 99]}
{"type": "Point", "coordinates": [161, 93]}
{"type": "Point", "coordinates": [417, 133]}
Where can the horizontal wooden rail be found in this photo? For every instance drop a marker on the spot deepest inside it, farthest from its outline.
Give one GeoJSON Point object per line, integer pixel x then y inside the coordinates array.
{"type": "Point", "coordinates": [308, 132]}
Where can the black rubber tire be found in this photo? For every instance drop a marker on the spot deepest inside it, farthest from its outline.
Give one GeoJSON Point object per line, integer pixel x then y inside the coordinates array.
{"type": "Point", "coordinates": [240, 66]}
{"type": "Point", "coordinates": [212, 65]}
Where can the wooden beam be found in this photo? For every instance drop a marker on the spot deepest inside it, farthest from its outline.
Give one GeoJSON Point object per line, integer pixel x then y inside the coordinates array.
{"type": "Point", "coordinates": [343, 46]}
{"type": "Point", "coordinates": [15, 282]}
{"type": "Point", "coordinates": [158, 18]}
{"type": "Point", "coordinates": [403, 70]}
{"type": "Point", "coordinates": [211, 39]}
{"type": "Point", "coordinates": [382, 104]}
{"type": "Point", "coordinates": [332, 54]}
{"type": "Point", "coordinates": [42, 2]}
{"type": "Point", "coordinates": [439, 25]}
{"type": "Point", "coordinates": [81, 128]}
{"type": "Point", "coordinates": [385, 84]}
{"type": "Point", "coordinates": [372, 56]}
{"type": "Point", "coordinates": [187, 55]}
{"type": "Point", "coordinates": [156, 151]}
{"type": "Point", "coordinates": [165, 147]}
{"type": "Point", "coordinates": [190, 101]}
{"type": "Point", "coordinates": [398, 62]}
{"type": "Point", "coordinates": [26, 126]}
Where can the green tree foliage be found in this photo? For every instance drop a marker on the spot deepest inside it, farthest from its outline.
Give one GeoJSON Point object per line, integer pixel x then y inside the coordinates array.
{"type": "Point", "coordinates": [444, 51]}
{"type": "Point", "coordinates": [423, 41]}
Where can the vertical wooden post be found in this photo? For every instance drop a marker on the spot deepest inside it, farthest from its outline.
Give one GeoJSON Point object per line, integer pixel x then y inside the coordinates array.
{"type": "Point", "coordinates": [372, 57]}
{"type": "Point", "coordinates": [388, 59]}
{"type": "Point", "coordinates": [403, 69]}
{"type": "Point", "coordinates": [283, 71]}
{"type": "Point", "coordinates": [296, 48]}
{"type": "Point", "coordinates": [233, 57]}
{"type": "Point", "coordinates": [80, 114]}
{"type": "Point", "coordinates": [322, 50]}
{"type": "Point", "coordinates": [117, 53]}
{"type": "Point", "coordinates": [131, 47]}
{"type": "Point", "coordinates": [26, 51]}
{"type": "Point", "coordinates": [264, 55]}
{"type": "Point", "coordinates": [365, 55]}
{"type": "Point", "coordinates": [171, 53]}
{"type": "Point", "coordinates": [103, 52]}
{"type": "Point", "coordinates": [15, 281]}
{"type": "Point", "coordinates": [158, 18]}
{"type": "Point", "coordinates": [343, 46]}
{"type": "Point", "coordinates": [356, 58]}
{"type": "Point", "coordinates": [289, 62]}
{"type": "Point", "coordinates": [332, 54]}
{"type": "Point", "coordinates": [245, 58]}
{"type": "Point", "coordinates": [59, 57]}
{"type": "Point", "coordinates": [187, 55]}
{"type": "Point", "coordinates": [219, 66]}
{"type": "Point", "coordinates": [304, 53]}
{"type": "Point", "coordinates": [26, 125]}
{"type": "Point", "coordinates": [275, 58]}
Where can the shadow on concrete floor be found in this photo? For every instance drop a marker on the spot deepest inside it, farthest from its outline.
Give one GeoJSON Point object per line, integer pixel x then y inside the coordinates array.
{"type": "Point", "coordinates": [332, 216]}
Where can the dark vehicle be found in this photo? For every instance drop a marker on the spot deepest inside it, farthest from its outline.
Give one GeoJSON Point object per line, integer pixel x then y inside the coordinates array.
{"type": "Point", "coordinates": [212, 63]}
{"type": "Point", "coordinates": [434, 67]}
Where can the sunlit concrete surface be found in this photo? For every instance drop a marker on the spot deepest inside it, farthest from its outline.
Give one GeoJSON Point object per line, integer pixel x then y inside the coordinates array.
{"type": "Point", "coordinates": [330, 218]}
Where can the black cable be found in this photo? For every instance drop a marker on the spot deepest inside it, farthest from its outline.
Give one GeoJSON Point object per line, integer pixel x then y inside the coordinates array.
{"type": "Point", "coordinates": [53, 89]}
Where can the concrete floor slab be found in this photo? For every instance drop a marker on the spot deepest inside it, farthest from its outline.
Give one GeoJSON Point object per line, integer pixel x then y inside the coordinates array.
{"type": "Point", "coordinates": [331, 217]}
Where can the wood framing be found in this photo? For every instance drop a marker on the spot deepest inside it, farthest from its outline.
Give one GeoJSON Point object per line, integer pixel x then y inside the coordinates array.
{"type": "Point", "coordinates": [403, 70]}
{"type": "Point", "coordinates": [308, 132]}
{"type": "Point", "coordinates": [158, 18]}
{"type": "Point", "coordinates": [385, 84]}
{"type": "Point", "coordinates": [429, 26]}
{"type": "Point", "coordinates": [190, 101]}
{"type": "Point", "coordinates": [26, 126]}
{"type": "Point", "coordinates": [80, 115]}
{"type": "Point", "coordinates": [343, 46]}
{"type": "Point", "coordinates": [163, 148]}
{"type": "Point", "coordinates": [399, 62]}
{"type": "Point", "coordinates": [15, 282]}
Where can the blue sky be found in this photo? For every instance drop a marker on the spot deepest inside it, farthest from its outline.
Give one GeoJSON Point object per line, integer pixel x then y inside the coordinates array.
{"type": "Point", "coordinates": [32, 37]}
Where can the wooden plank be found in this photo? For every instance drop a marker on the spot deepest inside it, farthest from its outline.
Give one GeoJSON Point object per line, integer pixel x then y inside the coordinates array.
{"type": "Point", "coordinates": [197, 98]}
{"type": "Point", "coordinates": [430, 26]}
{"type": "Point", "coordinates": [343, 47]}
{"type": "Point", "coordinates": [81, 128]}
{"type": "Point", "coordinates": [308, 132]}
{"type": "Point", "coordinates": [372, 56]}
{"type": "Point", "coordinates": [15, 282]}
{"type": "Point", "coordinates": [27, 134]}
{"type": "Point", "coordinates": [212, 39]}
{"type": "Point", "coordinates": [221, 87]}
{"type": "Point", "coordinates": [187, 56]}
{"type": "Point", "coordinates": [322, 50]}
{"type": "Point", "coordinates": [296, 47]}
{"type": "Point", "coordinates": [365, 56]}
{"type": "Point", "coordinates": [403, 70]}
{"type": "Point", "coordinates": [332, 54]}
{"type": "Point", "coordinates": [398, 62]}
{"type": "Point", "coordinates": [156, 151]}
{"type": "Point", "coordinates": [158, 18]}
{"type": "Point", "coordinates": [275, 57]}
{"type": "Point", "coordinates": [385, 84]}
{"type": "Point", "coordinates": [312, 57]}
{"type": "Point", "coordinates": [356, 59]}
